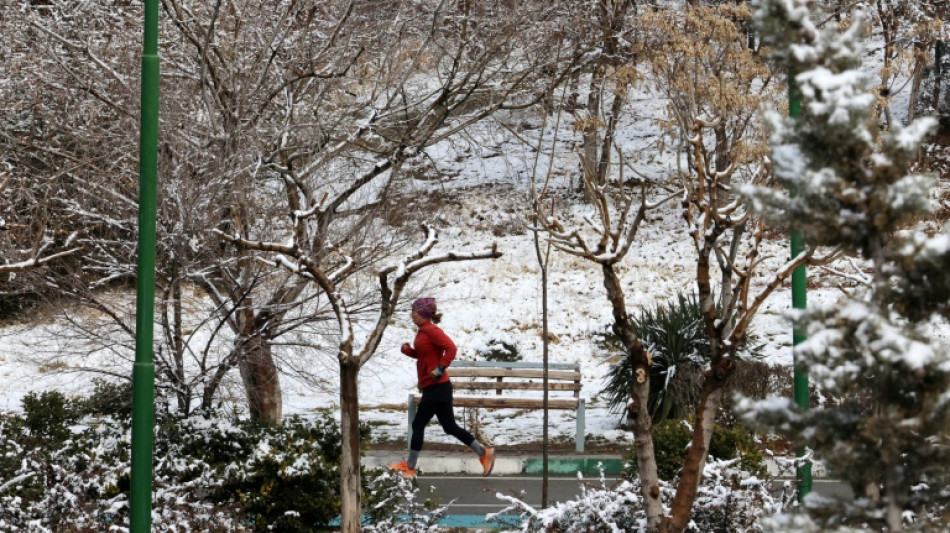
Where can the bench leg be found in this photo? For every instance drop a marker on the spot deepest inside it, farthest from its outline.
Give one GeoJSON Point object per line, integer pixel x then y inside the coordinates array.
{"type": "Point", "coordinates": [412, 415]}
{"type": "Point", "coordinates": [579, 439]}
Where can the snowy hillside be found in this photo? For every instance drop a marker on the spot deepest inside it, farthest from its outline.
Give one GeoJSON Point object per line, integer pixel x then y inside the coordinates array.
{"type": "Point", "coordinates": [483, 302]}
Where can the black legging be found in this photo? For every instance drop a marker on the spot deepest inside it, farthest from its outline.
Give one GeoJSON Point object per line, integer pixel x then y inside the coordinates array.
{"type": "Point", "coordinates": [437, 401]}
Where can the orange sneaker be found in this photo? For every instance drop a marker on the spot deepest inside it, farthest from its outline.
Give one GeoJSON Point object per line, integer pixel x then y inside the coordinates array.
{"type": "Point", "coordinates": [404, 470]}
{"type": "Point", "coordinates": [488, 461]}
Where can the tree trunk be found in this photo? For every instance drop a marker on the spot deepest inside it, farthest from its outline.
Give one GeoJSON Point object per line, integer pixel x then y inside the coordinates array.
{"type": "Point", "coordinates": [646, 455]}
{"type": "Point", "coordinates": [591, 134]}
{"type": "Point", "coordinates": [183, 392]}
{"type": "Point", "coordinates": [350, 490]}
{"type": "Point", "coordinates": [920, 63]}
{"type": "Point", "coordinates": [939, 48]}
{"type": "Point", "coordinates": [259, 372]}
{"type": "Point", "coordinates": [606, 148]}
{"type": "Point", "coordinates": [682, 507]}
{"type": "Point", "coordinates": [642, 423]}
{"type": "Point", "coordinates": [545, 342]}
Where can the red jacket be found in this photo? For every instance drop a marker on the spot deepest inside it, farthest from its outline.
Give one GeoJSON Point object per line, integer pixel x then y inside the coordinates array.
{"type": "Point", "coordinates": [431, 348]}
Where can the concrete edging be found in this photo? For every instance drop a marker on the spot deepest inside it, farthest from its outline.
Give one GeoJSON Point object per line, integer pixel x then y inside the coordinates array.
{"type": "Point", "coordinates": [439, 463]}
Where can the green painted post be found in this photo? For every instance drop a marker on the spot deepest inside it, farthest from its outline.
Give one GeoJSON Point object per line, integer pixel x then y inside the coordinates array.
{"type": "Point", "coordinates": [143, 374]}
{"type": "Point", "coordinates": [799, 301]}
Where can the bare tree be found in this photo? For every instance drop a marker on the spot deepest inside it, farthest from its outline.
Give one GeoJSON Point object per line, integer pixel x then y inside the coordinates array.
{"type": "Point", "coordinates": [608, 80]}
{"type": "Point", "coordinates": [463, 64]}
{"type": "Point", "coordinates": [26, 246]}
{"type": "Point", "coordinates": [610, 233]}
{"type": "Point", "coordinates": [227, 87]}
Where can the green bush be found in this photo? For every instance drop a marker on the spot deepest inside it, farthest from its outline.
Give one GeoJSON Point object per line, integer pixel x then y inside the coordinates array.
{"type": "Point", "coordinates": [500, 351]}
{"type": "Point", "coordinates": [108, 399]}
{"type": "Point", "coordinates": [292, 487]}
{"type": "Point", "coordinates": [49, 415]}
{"type": "Point", "coordinates": [670, 441]}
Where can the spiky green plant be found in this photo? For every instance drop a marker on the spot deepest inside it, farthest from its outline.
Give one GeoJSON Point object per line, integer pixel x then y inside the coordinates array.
{"type": "Point", "coordinates": [673, 333]}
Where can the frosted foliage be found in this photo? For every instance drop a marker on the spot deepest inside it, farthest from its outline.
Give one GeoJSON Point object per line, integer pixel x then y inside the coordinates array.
{"type": "Point", "coordinates": [796, 523]}
{"type": "Point", "coordinates": [837, 96]}
{"type": "Point", "coordinates": [821, 156]}
{"type": "Point", "coordinates": [884, 383]}
{"type": "Point", "coordinates": [729, 499]}
{"type": "Point", "coordinates": [80, 483]}
{"type": "Point", "coordinates": [395, 500]}
{"type": "Point", "coordinates": [205, 475]}
{"type": "Point", "coordinates": [921, 274]}
{"type": "Point", "coordinates": [844, 341]}
{"type": "Point", "coordinates": [861, 356]}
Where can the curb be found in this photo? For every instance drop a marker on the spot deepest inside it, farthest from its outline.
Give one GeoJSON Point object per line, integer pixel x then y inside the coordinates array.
{"type": "Point", "coordinates": [462, 462]}
{"type": "Point", "coordinates": [467, 463]}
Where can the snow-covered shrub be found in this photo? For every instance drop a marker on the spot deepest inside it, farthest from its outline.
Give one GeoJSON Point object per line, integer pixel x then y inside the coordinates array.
{"type": "Point", "coordinates": [211, 473]}
{"type": "Point", "coordinates": [500, 350]}
{"type": "Point", "coordinates": [283, 477]}
{"type": "Point", "coordinates": [82, 483]}
{"type": "Point", "coordinates": [729, 499]}
{"type": "Point", "coordinates": [671, 438]}
{"type": "Point", "coordinates": [393, 507]}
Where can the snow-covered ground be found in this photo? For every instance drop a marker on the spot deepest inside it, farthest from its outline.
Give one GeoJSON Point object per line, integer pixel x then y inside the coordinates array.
{"type": "Point", "coordinates": [483, 302]}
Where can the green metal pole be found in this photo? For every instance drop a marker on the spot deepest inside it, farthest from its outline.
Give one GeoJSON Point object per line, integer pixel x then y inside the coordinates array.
{"type": "Point", "coordinates": [799, 301]}
{"type": "Point", "coordinates": [143, 375]}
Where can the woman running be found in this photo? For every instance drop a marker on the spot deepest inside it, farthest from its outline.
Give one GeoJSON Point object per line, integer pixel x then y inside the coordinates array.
{"type": "Point", "coordinates": [434, 351]}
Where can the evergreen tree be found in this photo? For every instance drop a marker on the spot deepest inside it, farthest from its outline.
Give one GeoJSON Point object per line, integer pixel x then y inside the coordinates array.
{"type": "Point", "coordinates": [847, 185]}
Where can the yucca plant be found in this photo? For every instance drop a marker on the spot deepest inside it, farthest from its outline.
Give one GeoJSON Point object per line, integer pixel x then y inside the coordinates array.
{"type": "Point", "coordinates": [673, 333]}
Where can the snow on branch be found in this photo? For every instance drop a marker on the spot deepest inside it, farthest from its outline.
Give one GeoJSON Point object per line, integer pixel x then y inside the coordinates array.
{"type": "Point", "coordinates": [308, 213]}
{"type": "Point", "coordinates": [38, 258]}
{"type": "Point", "coordinates": [420, 259]}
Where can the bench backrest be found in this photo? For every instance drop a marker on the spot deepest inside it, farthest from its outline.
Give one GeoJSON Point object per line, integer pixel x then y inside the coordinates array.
{"type": "Point", "coordinates": [491, 375]}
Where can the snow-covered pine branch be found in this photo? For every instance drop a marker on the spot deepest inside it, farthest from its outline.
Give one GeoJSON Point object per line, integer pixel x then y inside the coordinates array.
{"type": "Point", "coordinates": [850, 188]}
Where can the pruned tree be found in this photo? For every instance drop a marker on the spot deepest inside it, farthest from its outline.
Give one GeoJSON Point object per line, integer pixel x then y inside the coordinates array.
{"type": "Point", "coordinates": [353, 352]}
{"type": "Point", "coordinates": [715, 84]}
{"type": "Point", "coordinates": [607, 238]}
{"type": "Point", "coordinates": [700, 61]}
{"type": "Point", "coordinates": [850, 187]}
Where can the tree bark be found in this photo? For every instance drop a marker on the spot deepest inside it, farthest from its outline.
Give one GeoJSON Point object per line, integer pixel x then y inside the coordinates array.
{"type": "Point", "coordinates": [939, 49]}
{"type": "Point", "coordinates": [646, 454]}
{"type": "Point", "coordinates": [691, 475]}
{"type": "Point", "coordinates": [917, 76]}
{"type": "Point", "coordinates": [350, 490]}
{"type": "Point", "coordinates": [642, 423]}
{"type": "Point", "coordinates": [178, 345]}
{"type": "Point", "coordinates": [258, 371]}
{"type": "Point", "coordinates": [591, 137]}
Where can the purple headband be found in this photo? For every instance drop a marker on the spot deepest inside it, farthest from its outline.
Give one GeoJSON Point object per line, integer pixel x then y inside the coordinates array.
{"type": "Point", "coordinates": [425, 307]}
